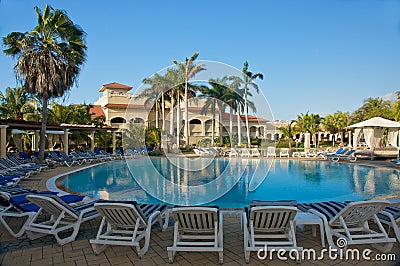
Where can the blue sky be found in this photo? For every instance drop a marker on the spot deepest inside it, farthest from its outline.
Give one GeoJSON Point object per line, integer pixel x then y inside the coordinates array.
{"type": "Point", "coordinates": [319, 56]}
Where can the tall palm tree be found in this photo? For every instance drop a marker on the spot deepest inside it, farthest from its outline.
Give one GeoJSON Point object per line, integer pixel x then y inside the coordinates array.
{"type": "Point", "coordinates": [152, 96]}
{"type": "Point", "coordinates": [247, 82]}
{"type": "Point", "coordinates": [188, 70]}
{"type": "Point", "coordinates": [372, 107]}
{"type": "Point", "coordinates": [49, 58]}
{"type": "Point", "coordinates": [289, 132]}
{"type": "Point", "coordinates": [214, 98]}
{"type": "Point", "coordinates": [309, 123]}
{"type": "Point", "coordinates": [232, 97]}
{"type": "Point", "coordinates": [335, 123]}
{"type": "Point", "coordinates": [16, 104]}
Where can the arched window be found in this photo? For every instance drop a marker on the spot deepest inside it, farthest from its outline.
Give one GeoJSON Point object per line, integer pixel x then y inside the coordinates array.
{"type": "Point", "coordinates": [118, 120]}
{"type": "Point", "coordinates": [195, 122]}
{"type": "Point", "coordinates": [137, 120]}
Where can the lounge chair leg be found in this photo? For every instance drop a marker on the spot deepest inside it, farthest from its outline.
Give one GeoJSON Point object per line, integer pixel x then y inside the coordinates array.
{"type": "Point", "coordinates": [171, 255]}
{"type": "Point", "coordinates": [383, 248]}
{"type": "Point", "coordinates": [221, 257]}
{"type": "Point", "coordinates": [247, 256]}
{"type": "Point", "coordinates": [97, 249]}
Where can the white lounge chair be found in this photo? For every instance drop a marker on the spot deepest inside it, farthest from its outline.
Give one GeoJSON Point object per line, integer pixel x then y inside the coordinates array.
{"type": "Point", "coordinates": [255, 153]}
{"type": "Point", "coordinates": [269, 227]}
{"type": "Point", "coordinates": [59, 217]}
{"type": "Point", "coordinates": [348, 155]}
{"type": "Point", "coordinates": [19, 207]}
{"type": "Point", "coordinates": [284, 152]}
{"type": "Point", "coordinates": [271, 152]}
{"type": "Point", "coordinates": [351, 223]}
{"type": "Point", "coordinates": [233, 152]}
{"type": "Point", "coordinates": [391, 217]}
{"type": "Point", "coordinates": [197, 229]}
{"type": "Point", "coordinates": [245, 153]}
{"type": "Point", "coordinates": [309, 153]}
{"type": "Point", "coordinates": [125, 224]}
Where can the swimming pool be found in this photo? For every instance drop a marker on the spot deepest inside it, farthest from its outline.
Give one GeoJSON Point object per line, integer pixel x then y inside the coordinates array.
{"type": "Point", "coordinates": [229, 183]}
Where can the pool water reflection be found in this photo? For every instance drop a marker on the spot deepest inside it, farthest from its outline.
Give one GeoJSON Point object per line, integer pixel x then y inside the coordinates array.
{"type": "Point", "coordinates": [304, 181]}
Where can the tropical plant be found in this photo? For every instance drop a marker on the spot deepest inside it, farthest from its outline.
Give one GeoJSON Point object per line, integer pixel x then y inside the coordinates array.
{"type": "Point", "coordinates": [188, 70]}
{"type": "Point", "coordinates": [335, 123]}
{"type": "Point", "coordinates": [133, 135]}
{"type": "Point", "coordinates": [395, 108]}
{"type": "Point", "coordinates": [309, 123]}
{"type": "Point", "coordinates": [214, 95]}
{"type": "Point", "coordinates": [16, 104]}
{"type": "Point", "coordinates": [153, 138]}
{"type": "Point", "coordinates": [289, 131]}
{"type": "Point", "coordinates": [247, 82]}
{"type": "Point", "coordinates": [48, 58]}
{"type": "Point", "coordinates": [372, 107]}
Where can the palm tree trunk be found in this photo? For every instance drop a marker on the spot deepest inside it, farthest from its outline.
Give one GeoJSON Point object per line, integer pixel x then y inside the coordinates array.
{"type": "Point", "coordinates": [246, 109]}
{"type": "Point", "coordinates": [230, 125]}
{"type": "Point", "coordinates": [221, 142]}
{"type": "Point", "coordinates": [171, 124]}
{"type": "Point", "coordinates": [213, 125]}
{"type": "Point", "coordinates": [156, 113]}
{"type": "Point", "coordinates": [239, 127]}
{"type": "Point", "coordinates": [178, 121]}
{"type": "Point", "coordinates": [163, 113]}
{"type": "Point", "coordinates": [186, 129]}
{"type": "Point", "coordinates": [42, 144]}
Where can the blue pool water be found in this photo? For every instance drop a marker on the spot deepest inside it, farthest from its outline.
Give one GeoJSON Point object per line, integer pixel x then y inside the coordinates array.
{"type": "Point", "coordinates": [231, 183]}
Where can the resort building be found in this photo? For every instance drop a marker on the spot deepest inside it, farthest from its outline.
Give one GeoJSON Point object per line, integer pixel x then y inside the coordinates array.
{"type": "Point", "coordinates": [118, 107]}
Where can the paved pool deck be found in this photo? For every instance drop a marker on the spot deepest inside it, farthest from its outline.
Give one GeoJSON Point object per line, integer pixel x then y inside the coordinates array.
{"type": "Point", "coordinates": [45, 251]}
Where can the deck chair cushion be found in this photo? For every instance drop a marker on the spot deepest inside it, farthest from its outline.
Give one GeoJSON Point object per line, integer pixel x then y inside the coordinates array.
{"type": "Point", "coordinates": [395, 211]}
{"type": "Point", "coordinates": [327, 208]}
{"type": "Point", "coordinates": [273, 203]}
{"type": "Point", "coordinates": [258, 203]}
{"type": "Point", "coordinates": [144, 210]}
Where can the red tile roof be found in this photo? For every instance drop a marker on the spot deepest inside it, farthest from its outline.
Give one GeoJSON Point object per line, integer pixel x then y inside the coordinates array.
{"type": "Point", "coordinates": [124, 105]}
{"type": "Point", "coordinates": [115, 85]}
{"type": "Point", "coordinates": [96, 111]}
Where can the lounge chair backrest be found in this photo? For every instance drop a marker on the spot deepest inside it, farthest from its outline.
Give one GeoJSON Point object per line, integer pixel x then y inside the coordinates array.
{"type": "Point", "coordinates": [359, 212]}
{"type": "Point", "coordinates": [121, 214]}
{"type": "Point", "coordinates": [196, 219]}
{"type": "Point", "coordinates": [339, 150]}
{"type": "Point", "coordinates": [272, 218]}
{"type": "Point", "coordinates": [53, 205]}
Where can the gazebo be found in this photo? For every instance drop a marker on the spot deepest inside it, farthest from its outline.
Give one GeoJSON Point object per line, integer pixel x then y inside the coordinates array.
{"type": "Point", "coordinates": [373, 130]}
{"type": "Point", "coordinates": [61, 129]}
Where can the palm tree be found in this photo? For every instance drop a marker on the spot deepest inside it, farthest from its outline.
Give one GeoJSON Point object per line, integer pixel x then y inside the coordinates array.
{"type": "Point", "coordinates": [188, 70]}
{"type": "Point", "coordinates": [233, 97]}
{"type": "Point", "coordinates": [309, 123]}
{"type": "Point", "coordinates": [372, 107]}
{"type": "Point", "coordinates": [336, 123]}
{"type": "Point", "coordinates": [48, 58]}
{"type": "Point", "coordinates": [289, 132]}
{"type": "Point", "coordinates": [214, 96]}
{"type": "Point", "coordinates": [152, 95]}
{"type": "Point", "coordinates": [247, 81]}
{"type": "Point", "coordinates": [16, 104]}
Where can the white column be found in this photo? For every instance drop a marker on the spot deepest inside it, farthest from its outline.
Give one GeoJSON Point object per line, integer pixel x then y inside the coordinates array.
{"type": "Point", "coordinates": [350, 140]}
{"type": "Point", "coordinates": [307, 140]}
{"type": "Point", "coordinates": [92, 140]}
{"type": "Point", "coordinates": [3, 140]}
{"type": "Point", "coordinates": [113, 141]}
{"type": "Point", "coordinates": [66, 141]}
{"type": "Point", "coordinates": [37, 140]}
